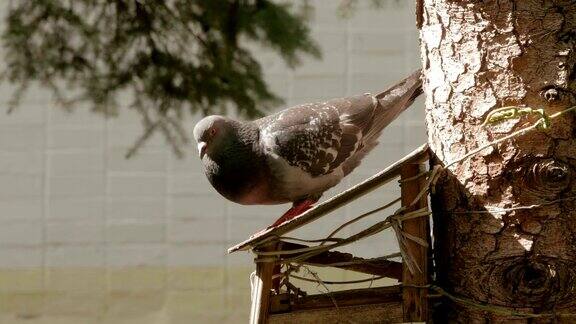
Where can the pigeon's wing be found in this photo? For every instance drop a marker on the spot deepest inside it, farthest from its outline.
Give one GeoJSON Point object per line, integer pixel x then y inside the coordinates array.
{"type": "Point", "coordinates": [319, 138]}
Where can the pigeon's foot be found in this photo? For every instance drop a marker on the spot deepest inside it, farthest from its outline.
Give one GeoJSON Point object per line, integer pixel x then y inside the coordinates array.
{"type": "Point", "coordinates": [293, 212]}
{"type": "Point", "coordinates": [288, 215]}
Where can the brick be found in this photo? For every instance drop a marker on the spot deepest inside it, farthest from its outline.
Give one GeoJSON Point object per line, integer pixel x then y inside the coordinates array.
{"type": "Point", "coordinates": [330, 41]}
{"type": "Point", "coordinates": [19, 186]}
{"type": "Point", "coordinates": [333, 64]}
{"type": "Point", "coordinates": [21, 280]}
{"type": "Point", "coordinates": [197, 230]}
{"type": "Point", "coordinates": [240, 229]}
{"type": "Point", "coordinates": [136, 255]}
{"type": "Point", "coordinates": [131, 304]}
{"type": "Point", "coordinates": [269, 61]}
{"type": "Point", "coordinates": [125, 136]}
{"type": "Point", "coordinates": [324, 14]}
{"type": "Point", "coordinates": [24, 114]}
{"type": "Point", "coordinates": [125, 117]}
{"type": "Point", "coordinates": [374, 82]}
{"type": "Point", "coordinates": [135, 208]}
{"type": "Point", "coordinates": [196, 278]}
{"type": "Point", "coordinates": [80, 115]}
{"type": "Point", "coordinates": [68, 233]}
{"type": "Point", "coordinates": [383, 43]}
{"type": "Point", "coordinates": [135, 232]}
{"type": "Point", "coordinates": [75, 256]}
{"type": "Point", "coordinates": [240, 259]}
{"type": "Point", "coordinates": [24, 305]}
{"type": "Point", "coordinates": [184, 316]}
{"type": "Point", "coordinates": [394, 67]}
{"type": "Point", "coordinates": [241, 310]}
{"type": "Point", "coordinates": [143, 161]}
{"type": "Point", "coordinates": [414, 135]}
{"type": "Point", "coordinates": [78, 303]}
{"type": "Point", "coordinates": [21, 209]}
{"type": "Point", "coordinates": [310, 86]}
{"type": "Point", "coordinates": [198, 206]}
{"type": "Point", "coordinates": [391, 16]}
{"type": "Point", "coordinates": [76, 186]}
{"type": "Point", "coordinates": [137, 279]}
{"type": "Point", "coordinates": [69, 164]}
{"type": "Point", "coordinates": [392, 137]}
{"type": "Point", "coordinates": [76, 208]}
{"type": "Point", "coordinates": [255, 211]}
{"type": "Point", "coordinates": [415, 114]}
{"type": "Point", "coordinates": [24, 233]}
{"type": "Point", "coordinates": [238, 277]}
{"type": "Point", "coordinates": [190, 163]}
{"type": "Point", "coordinates": [84, 138]}
{"type": "Point", "coordinates": [278, 83]}
{"type": "Point", "coordinates": [195, 254]}
{"type": "Point", "coordinates": [179, 302]}
{"type": "Point", "coordinates": [21, 162]}
{"type": "Point", "coordinates": [137, 185]}
{"type": "Point", "coordinates": [186, 183]}
{"type": "Point", "coordinates": [37, 95]}
{"type": "Point", "coordinates": [20, 257]}
{"type": "Point", "coordinates": [381, 157]}
{"type": "Point", "coordinates": [75, 279]}
{"type": "Point", "coordinates": [22, 137]}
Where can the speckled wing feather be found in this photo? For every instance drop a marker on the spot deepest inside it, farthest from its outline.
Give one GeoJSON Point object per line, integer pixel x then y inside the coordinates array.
{"type": "Point", "coordinates": [319, 138]}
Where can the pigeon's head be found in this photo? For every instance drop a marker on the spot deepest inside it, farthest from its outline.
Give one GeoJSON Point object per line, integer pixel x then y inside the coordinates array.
{"type": "Point", "coordinates": [211, 132]}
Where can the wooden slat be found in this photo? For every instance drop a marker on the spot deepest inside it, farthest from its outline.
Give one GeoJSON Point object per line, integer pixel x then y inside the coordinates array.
{"type": "Point", "coordinates": [415, 300]}
{"type": "Point", "coordinates": [350, 297]}
{"type": "Point", "coordinates": [365, 187]}
{"type": "Point", "coordinates": [387, 268]}
{"type": "Point", "coordinates": [260, 309]}
{"type": "Point", "coordinates": [288, 302]}
{"type": "Point", "coordinates": [373, 313]}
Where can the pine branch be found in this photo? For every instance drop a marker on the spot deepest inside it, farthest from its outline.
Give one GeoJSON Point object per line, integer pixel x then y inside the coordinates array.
{"type": "Point", "coordinates": [176, 57]}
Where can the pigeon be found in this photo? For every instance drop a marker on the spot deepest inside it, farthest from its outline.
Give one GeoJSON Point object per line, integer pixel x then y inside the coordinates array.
{"type": "Point", "coordinates": [297, 154]}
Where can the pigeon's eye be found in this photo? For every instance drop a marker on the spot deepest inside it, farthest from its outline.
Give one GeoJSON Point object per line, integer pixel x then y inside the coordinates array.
{"type": "Point", "coordinates": [212, 132]}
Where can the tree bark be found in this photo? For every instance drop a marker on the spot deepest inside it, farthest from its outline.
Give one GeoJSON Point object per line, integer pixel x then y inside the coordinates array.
{"type": "Point", "coordinates": [479, 56]}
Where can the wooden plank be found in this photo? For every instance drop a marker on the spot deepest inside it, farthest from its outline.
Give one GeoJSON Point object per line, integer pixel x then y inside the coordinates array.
{"type": "Point", "coordinates": [415, 300]}
{"type": "Point", "coordinates": [418, 155]}
{"type": "Point", "coordinates": [351, 297]}
{"type": "Point", "coordinates": [387, 268]}
{"type": "Point", "coordinates": [373, 313]}
{"type": "Point", "coordinates": [260, 309]}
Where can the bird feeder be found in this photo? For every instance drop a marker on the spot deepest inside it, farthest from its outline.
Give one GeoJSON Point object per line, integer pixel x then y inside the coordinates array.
{"type": "Point", "coordinates": [277, 300]}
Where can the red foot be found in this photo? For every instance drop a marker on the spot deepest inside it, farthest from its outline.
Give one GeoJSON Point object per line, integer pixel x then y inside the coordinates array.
{"type": "Point", "coordinates": [288, 215]}
{"type": "Point", "coordinates": [293, 212]}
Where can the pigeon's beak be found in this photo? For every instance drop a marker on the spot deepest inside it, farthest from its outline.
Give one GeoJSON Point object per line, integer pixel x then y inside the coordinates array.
{"type": "Point", "coordinates": [201, 149]}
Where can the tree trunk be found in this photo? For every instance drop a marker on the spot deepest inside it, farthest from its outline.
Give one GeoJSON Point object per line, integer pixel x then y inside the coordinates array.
{"type": "Point", "coordinates": [478, 56]}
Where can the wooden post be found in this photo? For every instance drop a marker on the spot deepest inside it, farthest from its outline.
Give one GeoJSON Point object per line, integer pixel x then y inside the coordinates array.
{"type": "Point", "coordinates": [260, 309]}
{"type": "Point", "coordinates": [414, 300]}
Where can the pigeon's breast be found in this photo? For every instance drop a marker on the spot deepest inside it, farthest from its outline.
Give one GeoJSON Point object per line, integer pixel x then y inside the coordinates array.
{"type": "Point", "coordinates": [245, 184]}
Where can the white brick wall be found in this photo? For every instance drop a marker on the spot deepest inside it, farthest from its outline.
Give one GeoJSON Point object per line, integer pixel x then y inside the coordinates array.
{"type": "Point", "coordinates": [69, 198]}
{"type": "Point", "coordinates": [67, 172]}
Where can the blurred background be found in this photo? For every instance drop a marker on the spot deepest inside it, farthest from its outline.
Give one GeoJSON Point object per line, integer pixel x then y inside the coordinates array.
{"type": "Point", "coordinates": [89, 236]}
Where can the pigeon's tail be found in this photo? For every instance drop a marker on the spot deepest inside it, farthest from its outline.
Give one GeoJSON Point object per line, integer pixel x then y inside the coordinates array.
{"type": "Point", "coordinates": [393, 101]}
